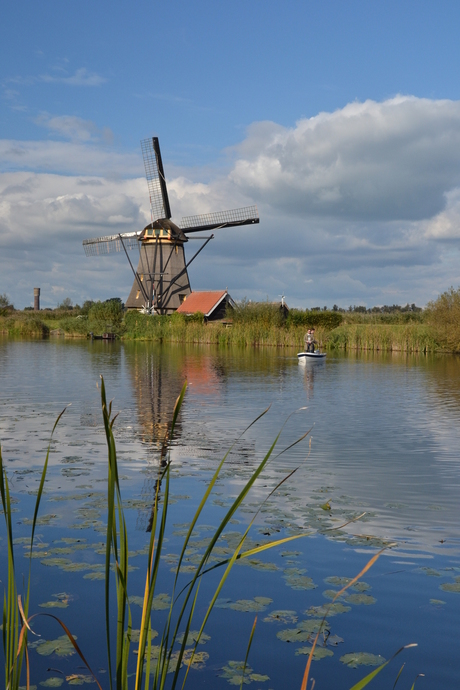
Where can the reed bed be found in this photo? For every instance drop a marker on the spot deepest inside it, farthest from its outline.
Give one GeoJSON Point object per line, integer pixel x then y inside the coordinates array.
{"type": "Point", "coordinates": [26, 326]}
{"type": "Point", "coordinates": [412, 337]}
{"type": "Point", "coordinates": [179, 329]}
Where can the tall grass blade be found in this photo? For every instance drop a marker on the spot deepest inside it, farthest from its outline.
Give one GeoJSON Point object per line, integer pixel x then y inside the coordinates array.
{"type": "Point", "coordinates": [420, 675]}
{"type": "Point", "coordinates": [247, 651]}
{"type": "Point", "coordinates": [399, 675]}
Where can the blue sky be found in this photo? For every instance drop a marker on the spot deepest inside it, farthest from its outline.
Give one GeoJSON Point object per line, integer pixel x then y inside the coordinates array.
{"type": "Point", "coordinates": [341, 120]}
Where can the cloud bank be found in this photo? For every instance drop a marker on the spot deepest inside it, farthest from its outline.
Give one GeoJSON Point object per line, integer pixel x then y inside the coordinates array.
{"type": "Point", "coordinates": [361, 205]}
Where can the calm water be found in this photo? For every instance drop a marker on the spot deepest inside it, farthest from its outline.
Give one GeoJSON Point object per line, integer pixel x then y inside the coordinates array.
{"type": "Point", "coordinates": [384, 436]}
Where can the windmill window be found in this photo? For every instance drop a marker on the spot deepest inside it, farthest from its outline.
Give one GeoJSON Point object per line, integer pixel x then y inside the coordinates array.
{"type": "Point", "coordinates": [137, 294]}
{"type": "Point", "coordinates": [165, 233]}
{"type": "Point", "coordinates": [177, 249]}
{"type": "Point", "coordinates": [149, 233]}
{"type": "Point", "coordinates": [142, 278]}
{"type": "Point", "coordinates": [157, 233]}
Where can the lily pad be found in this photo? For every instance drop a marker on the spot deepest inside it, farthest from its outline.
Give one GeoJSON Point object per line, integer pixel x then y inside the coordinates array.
{"type": "Point", "coordinates": [450, 587]}
{"type": "Point", "coordinates": [305, 631]}
{"type": "Point", "coordinates": [233, 674]}
{"type": "Point", "coordinates": [299, 582]}
{"type": "Point", "coordinates": [281, 617]}
{"type": "Point", "coordinates": [331, 610]}
{"type": "Point", "coordinates": [257, 564]}
{"type": "Point", "coordinates": [62, 646]}
{"type": "Point", "coordinates": [331, 593]}
{"type": "Point", "coordinates": [61, 601]}
{"type": "Point", "coordinates": [56, 562]}
{"type": "Point", "coordinates": [136, 635]}
{"type": "Point", "coordinates": [159, 603]}
{"type": "Point", "coordinates": [337, 581]}
{"type": "Point", "coordinates": [95, 575]}
{"type": "Point", "coordinates": [79, 679]}
{"type": "Point", "coordinates": [358, 599]}
{"type": "Point", "coordinates": [431, 572]}
{"type": "Point", "coordinates": [437, 602]}
{"type": "Point", "coordinates": [318, 654]}
{"type": "Point", "coordinates": [192, 637]}
{"type": "Point", "coordinates": [256, 604]}
{"type": "Point", "coordinates": [197, 660]}
{"type": "Point", "coordinates": [362, 659]}
{"type": "Point", "coordinates": [53, 682]}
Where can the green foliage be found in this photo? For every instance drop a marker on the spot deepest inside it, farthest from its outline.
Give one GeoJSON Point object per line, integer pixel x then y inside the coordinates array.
{"type": "Point", "coordinates": [109, 312]}
{"type": "Point", "coordinates": [377, 316]}
{"type": "Point", "coordinates": [87, 304]}
{"type": "Point", "coordinates": [312, 319]}
{"type": "Point", "coordinates": [443, 315]}
{"type": "Point", "coordinates": [265, 314]}
{"type": "Point", "coordinates": [24, 325]}
{"type": "Point", "coordinates": [5, 306]}
{"type": "Point", "coordinates": [66, 304]}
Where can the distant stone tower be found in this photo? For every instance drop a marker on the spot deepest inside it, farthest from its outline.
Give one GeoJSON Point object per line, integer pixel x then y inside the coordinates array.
{"type": "Point", "coordinates": [36, 299]}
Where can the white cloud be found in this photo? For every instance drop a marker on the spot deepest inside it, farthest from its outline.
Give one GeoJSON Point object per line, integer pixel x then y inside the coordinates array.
{"type": "Point", "coordinates": [371, 161]}
{"type": "Point", "coordinates": [81, 78]}
{"type": "Point", "coordinates": [357, 206]}
{"type": "Point", "coordinates": [73, 128]}
{"type": "Point", "coordinates": [76, 158]}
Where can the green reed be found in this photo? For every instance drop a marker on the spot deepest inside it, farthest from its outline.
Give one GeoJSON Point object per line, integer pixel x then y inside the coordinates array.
{"type": "Point", "coordinates": [411, 337]}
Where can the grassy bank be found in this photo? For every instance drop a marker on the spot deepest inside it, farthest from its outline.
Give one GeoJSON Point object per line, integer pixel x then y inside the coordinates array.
{"type": "Point", "coordinates": [436, 329]}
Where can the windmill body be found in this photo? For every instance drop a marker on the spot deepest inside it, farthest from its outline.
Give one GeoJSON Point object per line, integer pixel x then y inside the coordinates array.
{"type": "Point", "coordinates": [161, 283]}
{"type": "Point", "coordinates": [161, 278]}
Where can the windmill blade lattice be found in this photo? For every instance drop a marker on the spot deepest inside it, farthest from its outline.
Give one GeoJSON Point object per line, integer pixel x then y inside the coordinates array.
{"type": "Point", "coordinates": [159, 201]}
{"type": "Point", "coordinates": [220, 219]}
{"type": "Point", "coordinates": [111, 243]}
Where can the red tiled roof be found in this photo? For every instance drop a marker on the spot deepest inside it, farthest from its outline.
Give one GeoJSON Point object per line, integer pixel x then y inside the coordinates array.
{"type": "Point", "coordinates": [205, 302]}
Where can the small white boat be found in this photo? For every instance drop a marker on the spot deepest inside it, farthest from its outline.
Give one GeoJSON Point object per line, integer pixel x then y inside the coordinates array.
{"type": "Point", "coordinates": [311, 355]}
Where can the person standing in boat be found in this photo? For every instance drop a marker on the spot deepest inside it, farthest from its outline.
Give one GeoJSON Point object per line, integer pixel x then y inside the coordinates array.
{"type": "Point", "coordinates": [309, 340]}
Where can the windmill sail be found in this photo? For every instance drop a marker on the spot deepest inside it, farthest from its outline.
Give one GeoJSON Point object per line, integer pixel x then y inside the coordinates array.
{"type": "Point", "coordinates": [111, 243]}
{"type": "Point", "coordinates": [159, 201]}
{"type": "Point", "coordinates": [220, 219]}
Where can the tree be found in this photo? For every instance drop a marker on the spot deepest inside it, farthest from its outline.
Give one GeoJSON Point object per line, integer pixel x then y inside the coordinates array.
{"type": "Point", "coordinates": [444, 316]}
{"type": "Point", "coordinates": [109, 313]}
{"type": "Point", "coordinates": [5, 304]}
{"type": "Point", "coordinates": [66, 304]}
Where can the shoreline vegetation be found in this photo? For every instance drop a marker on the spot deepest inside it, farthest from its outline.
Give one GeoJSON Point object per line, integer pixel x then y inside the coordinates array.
{"type": "Point", "coordinates": [397, 329]}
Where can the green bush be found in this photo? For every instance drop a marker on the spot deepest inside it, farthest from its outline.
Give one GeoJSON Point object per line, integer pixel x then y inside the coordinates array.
{"type": "Point", "coordinates": [265, 314]}
{"type": "Point", "coordinates": [326, 319]}
{"type": "Point", "coordinates": [443, 316]}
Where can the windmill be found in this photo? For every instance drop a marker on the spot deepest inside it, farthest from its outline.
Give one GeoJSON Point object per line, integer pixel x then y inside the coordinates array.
{"type": "Point", "coordinates": [161, 281]}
